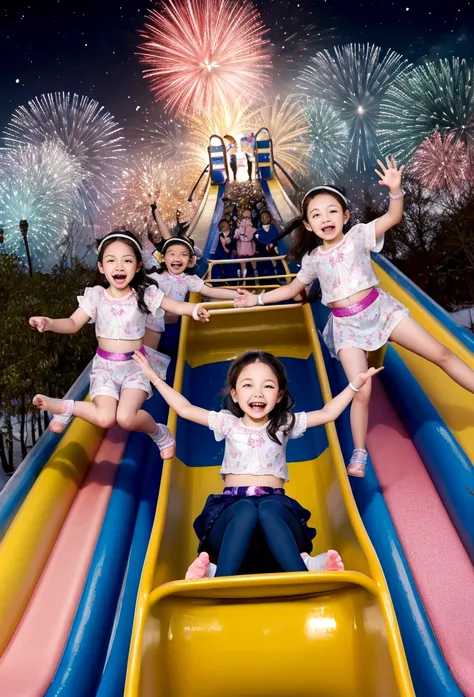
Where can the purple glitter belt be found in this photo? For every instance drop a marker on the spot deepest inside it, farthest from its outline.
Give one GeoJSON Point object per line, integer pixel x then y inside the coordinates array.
{"type": "Point", "coordinates": [357, 307]}
{"type": "Point", "coordinates": [252, 491]}
{"type": "Point", "coordinates": [108, 356]}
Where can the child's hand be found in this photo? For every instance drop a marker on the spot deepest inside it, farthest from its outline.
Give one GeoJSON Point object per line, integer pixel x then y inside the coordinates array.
{"type": "Point", "coordinates": [200, 313]}
{"type": "Point", "coordinates": [390, 175]}
{"type": "Point", "coordinates": [245, 299]}
{"type": "Point", "coordinates": [361, 378]}
{"type": "Point", "coordinates": [144, 364]}
{"type": "Point", "coordinates": [40, 323]}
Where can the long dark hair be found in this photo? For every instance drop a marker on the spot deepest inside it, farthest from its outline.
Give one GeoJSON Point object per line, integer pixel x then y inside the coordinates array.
{"type": "Point", "coordinates": [304, 241]}
{"type": "Point", "coordinates": [140, 281]}
{"type": "Point", "coordinates": [281, 417]}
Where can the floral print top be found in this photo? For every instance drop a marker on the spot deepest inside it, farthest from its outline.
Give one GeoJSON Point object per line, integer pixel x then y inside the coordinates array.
{"type": "Point", "coordinates": [251, 450]}
{"type": "Point", "coordinates": [118, 318]}
{"type": "Point", "coordinates": [177, 286]}
{"type": "Point", "coordinates": [344, 269]}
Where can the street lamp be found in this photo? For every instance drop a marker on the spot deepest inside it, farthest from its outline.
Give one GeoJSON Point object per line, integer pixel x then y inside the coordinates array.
{"type": "Point", "coordinates": [24, 231]}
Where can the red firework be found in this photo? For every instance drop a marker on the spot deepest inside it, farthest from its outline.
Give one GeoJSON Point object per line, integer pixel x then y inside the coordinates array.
{"type": "Point", "coordinates": [201, 53]}
{"type": "Point", "coordinates": [442, 162]}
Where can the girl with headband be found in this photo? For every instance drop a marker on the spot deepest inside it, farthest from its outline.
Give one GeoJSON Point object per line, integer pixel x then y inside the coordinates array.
{"type": "Point", "coordinates": [118, 387]}
{"type": "Point", "coordinates": [363, 316]}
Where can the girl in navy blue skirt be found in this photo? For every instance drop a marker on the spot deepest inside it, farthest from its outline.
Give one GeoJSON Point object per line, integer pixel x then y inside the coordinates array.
{"type": "Point", "coordinates": [256, 426]}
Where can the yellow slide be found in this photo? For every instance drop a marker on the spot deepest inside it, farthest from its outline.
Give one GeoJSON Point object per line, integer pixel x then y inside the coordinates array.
{"type": "Point", "coordinates": [275, 635]}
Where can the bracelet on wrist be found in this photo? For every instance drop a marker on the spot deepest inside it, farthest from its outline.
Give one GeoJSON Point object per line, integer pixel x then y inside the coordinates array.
{"type": "Point", "coordinates": [260, 298]}
{"type": "Point", "coordinates": [195, 311]}
{"type": "Point", "coordinates": [354, 389]}
{"type": "Point", "coordinates": [396, 197]}
{"type": "Point", "coordinates": [158, 379]}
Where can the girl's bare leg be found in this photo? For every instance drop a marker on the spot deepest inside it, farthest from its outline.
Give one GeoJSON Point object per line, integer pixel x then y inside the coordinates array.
{"type": "Point", "coordinates": [100, 412]}
{"type": "Point", "coordinates": [415, 338]}
{"type": "Point", "coordinates": [131, 417]}
{"type": "Point", "coordinates": [354, 361]}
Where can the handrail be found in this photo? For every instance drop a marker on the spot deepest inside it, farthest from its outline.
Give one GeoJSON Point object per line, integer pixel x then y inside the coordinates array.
{"type": "Point", "coordinates": [215, 308]}
{"type": "Point", "coordinates": [290, 179]}
{"type": "Point", "coordinates": [190, 197]}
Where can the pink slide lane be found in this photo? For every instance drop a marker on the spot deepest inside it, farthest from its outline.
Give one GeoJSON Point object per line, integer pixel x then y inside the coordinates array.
{"type": "Point", "coordinates": [440, 565]}
{"type": "Point", "coordinates": [30, 661]}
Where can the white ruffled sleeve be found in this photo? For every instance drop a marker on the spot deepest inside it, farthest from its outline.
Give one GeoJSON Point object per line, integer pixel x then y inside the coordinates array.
{"type": "Point", "coordinates": [221, 422]}
{"type": "Point", "coordinates": [301, 423]}
{"type": "Point", "coordinates": [195, 283]}
{"type": "Point", "coordinates": [153, 298]}
{"type": "Point", "coordinates": [90, 301]}
{"type": "Point", "coordinates": [307, 273]}
{"type": "Point", "coordinates": [371, 243]}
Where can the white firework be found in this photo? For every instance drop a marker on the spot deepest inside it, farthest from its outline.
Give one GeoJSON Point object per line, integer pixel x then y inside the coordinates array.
{"type": "Point", "coordinates": [88, 133]}
{"type": "Point", "coordinates": [38, 183]}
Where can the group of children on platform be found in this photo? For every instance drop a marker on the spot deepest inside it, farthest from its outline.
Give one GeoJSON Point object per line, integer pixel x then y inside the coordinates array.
{"type": "Point", "coordinates": [247, 231]}
{"type": "Point", "coordinates": [253, 516]}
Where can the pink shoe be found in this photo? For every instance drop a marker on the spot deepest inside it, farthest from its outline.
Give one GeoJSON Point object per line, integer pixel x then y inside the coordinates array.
{"type": "Point", "coordinates": [357, 463]}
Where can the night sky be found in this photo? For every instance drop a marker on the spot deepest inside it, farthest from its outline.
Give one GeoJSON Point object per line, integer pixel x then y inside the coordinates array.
{"type": "Point", "coordinates": [90, 47]}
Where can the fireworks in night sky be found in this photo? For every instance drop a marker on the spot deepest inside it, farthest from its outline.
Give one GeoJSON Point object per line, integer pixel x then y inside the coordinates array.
{"type": "Point", "coordinates": [38, 183]}
{"type": "Point", "coordinates": [201, 53]}
{"type": "Point", "coordinates": [438, 95]}
{"type": "Point", "coordinates": [285, 120]}
{"type": "Point", "coordinates": [328, 137]}
{"type": "Point", "coordinates": [354, 79]}
{"type": "Point", "coordinates": [442, 163]}
{"type": "Point", "coordinates": [87, 132]}
{"type": "Point", "coordinates": [145, 178]}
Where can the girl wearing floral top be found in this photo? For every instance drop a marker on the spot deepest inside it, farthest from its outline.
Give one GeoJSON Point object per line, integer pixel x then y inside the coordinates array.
{"type": "Point", "coordinates": [118, 387]}
{"type": "Point", "coordinates": [363, 316]}
{"type": "Point", "coordinates": [256, 427]}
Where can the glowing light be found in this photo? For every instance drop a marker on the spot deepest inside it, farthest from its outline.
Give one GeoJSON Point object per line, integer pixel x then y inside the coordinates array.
{"type": "Point", "coordinates": [328, 137]}
{"type": "Point", "coordinates": [436, 96]}
{"type": "Point", "coordinates": [202, 53]}
{"type": "Point", "coordinates": [38, 183]}
{"type": "Point", "coordinates": [348, 77]}
{"type": "Point", "coordinates": [150, 176]}
{"type": "Point", "coordinates": [442, 163]}
{"type": "Point", "coordinates": [87, 132]}
{"type": "Point", "coordinates": [288, 128]}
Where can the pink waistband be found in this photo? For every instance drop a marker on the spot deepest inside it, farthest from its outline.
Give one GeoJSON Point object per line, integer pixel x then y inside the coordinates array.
{"type": "Point", "coordinates": [356, 307]}
{"type": "Point", "coordinates": [108, 356]}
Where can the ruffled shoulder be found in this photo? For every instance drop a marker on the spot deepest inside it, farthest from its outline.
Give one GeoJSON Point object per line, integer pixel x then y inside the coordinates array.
{"type": "Point", "coordinates": [90, 301]}
{"type": "Point", "coordinates": [153, 298]}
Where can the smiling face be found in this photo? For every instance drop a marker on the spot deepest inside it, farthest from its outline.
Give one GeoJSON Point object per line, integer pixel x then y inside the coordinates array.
{"type": "Point", "coordinates": [119, 265]}
{"type": "Point", "coordinates": [326, 218]}
{"type": "Point", "coordinates": [256, 392]}
{"type": "Point", "coordinates": [177, 258]}
{"type": "Point", "coordinates": [265, 218]}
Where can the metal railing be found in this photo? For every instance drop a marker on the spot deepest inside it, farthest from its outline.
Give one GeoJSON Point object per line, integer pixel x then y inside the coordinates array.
{"type": "Point", "coordinates": [221, 262]}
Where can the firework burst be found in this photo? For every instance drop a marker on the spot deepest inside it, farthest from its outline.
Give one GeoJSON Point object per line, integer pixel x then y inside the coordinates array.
{"type": "Point", "coordinates": [201, 53]}
{"type": "Point", "coordinates": [38, 183]}
{"type": "Point", "coordinates": [328, 152]}
{"type": "Point", "coordinates": [146, 178]}
{"type": "Point", "coordinates": [442, 163]}
{"type": "Point", "coordinates": [224, 119]}
{"type": "Point", "coordinates": [288, 129]}
{"type": "Point", "coordinates": [437, 96]}
{"type": "Point", "coordinates": [354, 79]}
{"type": "Point", "coordinates": [87, 132]}
{"type": "Point", "coordinates": [166, 136]}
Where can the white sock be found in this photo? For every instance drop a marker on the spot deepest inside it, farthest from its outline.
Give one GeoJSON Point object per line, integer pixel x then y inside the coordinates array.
{"type": "Point", "coordinates": [315, 563]}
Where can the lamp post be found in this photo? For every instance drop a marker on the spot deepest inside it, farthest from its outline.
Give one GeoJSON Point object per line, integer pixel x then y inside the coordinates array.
{"type": "Point", "coordinates": [24, 231]}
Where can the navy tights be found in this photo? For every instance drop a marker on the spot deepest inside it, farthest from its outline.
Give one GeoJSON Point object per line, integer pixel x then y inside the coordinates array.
{"type": "Point", "coordinates": [231, 535]}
